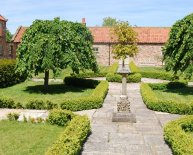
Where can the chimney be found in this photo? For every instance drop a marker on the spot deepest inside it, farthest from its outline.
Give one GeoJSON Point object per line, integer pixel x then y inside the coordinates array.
{"type": "Point", "coordinates": [83, 21]}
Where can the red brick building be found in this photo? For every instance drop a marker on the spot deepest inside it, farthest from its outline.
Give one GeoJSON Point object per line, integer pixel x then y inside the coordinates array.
{"type": "Point", "coordinates": [150, 42]}
{"type": "Point", "coordinates": [3, 43]}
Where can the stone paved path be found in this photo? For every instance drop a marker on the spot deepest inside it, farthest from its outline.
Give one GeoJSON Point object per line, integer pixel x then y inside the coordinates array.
{"type": "Point", "coordinates": [142, 138]}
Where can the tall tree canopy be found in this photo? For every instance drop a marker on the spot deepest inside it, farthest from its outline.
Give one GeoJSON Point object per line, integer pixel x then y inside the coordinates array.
{"type": "Point", "coordinates": [109, 21]}
{"type": "Point", "coordinates": [54, 45]}
{"type": "Point", "coordinates": [8, 35]}
{"type": "Point", "coordinates": [126, 40]}
{"type": "Point", "coordinates": [178, 51]}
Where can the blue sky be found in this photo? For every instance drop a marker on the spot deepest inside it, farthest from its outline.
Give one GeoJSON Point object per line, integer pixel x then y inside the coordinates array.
{"type": "Point", "coordinates": [137, 12]}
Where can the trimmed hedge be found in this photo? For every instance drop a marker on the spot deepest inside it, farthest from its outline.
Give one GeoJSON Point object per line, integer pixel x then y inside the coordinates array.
{"type": "Point", "coordinates": [151, 74]}
{"type": "Point", "coordinates": [80, 82]}
{"type": "Point", "coordinates": [95, 100]}
{"type": "Point", "coordinates": [175, 134]}
{"type": "Point", "coordinates": [73, 137]}
{"type": "Point", "coordinates": [113, 77]}
{"type": "Point", "coordinates": [60, 117]}
{"type": "Point", "coordinates": [8, 77]}
{"type": "Point", "coordinates": [171, 106]}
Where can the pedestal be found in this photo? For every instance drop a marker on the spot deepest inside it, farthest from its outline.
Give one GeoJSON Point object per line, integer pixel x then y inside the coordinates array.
{"type": "Point", "coordinates": [123, 113]}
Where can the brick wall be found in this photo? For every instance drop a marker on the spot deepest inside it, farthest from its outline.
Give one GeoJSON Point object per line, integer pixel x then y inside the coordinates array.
{"type": "Point", "coordinates": [3, 43]}
{"type": "Point", "coordinates": [148, 55]}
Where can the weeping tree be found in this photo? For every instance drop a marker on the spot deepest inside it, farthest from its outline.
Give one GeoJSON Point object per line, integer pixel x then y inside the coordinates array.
{"type": "Point", "coordinates": [178, 51]}
{"type": "Point", "coordinates": [54, 45]}
{"type": "Point", "coordinates": [125, 39]}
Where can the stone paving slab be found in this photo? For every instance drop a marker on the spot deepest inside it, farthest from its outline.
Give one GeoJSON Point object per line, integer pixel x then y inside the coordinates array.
{"type": "Point", "coordinates": [145, 137]}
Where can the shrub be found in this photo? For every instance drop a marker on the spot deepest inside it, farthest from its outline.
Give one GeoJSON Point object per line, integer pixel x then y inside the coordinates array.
{"type": "Point", "coordinates": [13, 116]}
{"type": "Point", "coordinates": [41, 104]}
{"type": "Point", "coordinates": [133, 67]}
{"type": "Point", "coordinates": [169, 85]}
{"type": "Point", "coordinates": [88, 102]}
{"type": "Point", "coordinates": [60, 117]}
{"type": "Point", "coordinates": [80, 82]}
{"type": "Point", "coordinates": [171, 106]}
{"type": "Point", "coordinates": [113, 77]}
{"type": "Point", "coordinates": [8, 76]}
{"type": "Point", "coordinates": [6, 103]}
{"type": "Point", "coordinates": [73, 137]}
{"type": "Point", "coordinates": [175, 134]}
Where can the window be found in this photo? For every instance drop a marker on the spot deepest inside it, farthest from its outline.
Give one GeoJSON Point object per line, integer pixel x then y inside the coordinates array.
{"type": "Point", "coordinates": [10, 50]}
{"type": "Point", "coordinates": [1, 50]}
{"type": "Point", "coordinates": [1, 24]}
{"type": "Point", "coordinates": [96, 49]}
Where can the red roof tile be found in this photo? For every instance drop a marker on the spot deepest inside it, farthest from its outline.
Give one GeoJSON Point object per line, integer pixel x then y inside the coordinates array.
{"type": "Point", "coordinates": [102, 34]}
{"type": "Point", "coordinates": [2, 18]}
{"type": "Point", "coordinates": [19, 33]}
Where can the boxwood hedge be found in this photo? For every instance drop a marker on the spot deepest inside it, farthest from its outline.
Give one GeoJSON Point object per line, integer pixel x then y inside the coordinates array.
{"type": "Point", "coordinates": [157, 104]}
{"type": "Point", "coordinates": [74, 135]}
{"type": "Point", "coordinates": [112, 76]}
{"type": "Point", "coordinates": [8, 76]}
{"type": "Point", "coordinates": [177, 136]}
{"type": "Point", "coordinates": [93, 101]}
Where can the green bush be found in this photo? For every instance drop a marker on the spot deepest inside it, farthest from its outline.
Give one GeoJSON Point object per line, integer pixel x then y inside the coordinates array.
{"type": "Point", "coordinates": [6, 103]}
{"type": "Point", "coordinates": [80, 82]}
{"type": "Point", "coordinates": [60, 117]}
{"type": "Point", "coordinates": [13, 116]}
{"type": "Point", "coordinates": [169, 85]}
{"type": "Point", "coordinates": [73, 137]}
{"type": "Point", "coordinates": [8, 77]}
{"type": "Point", "coordinates": [171, 106]}
{"type": "Point", "coordinates": [133, 67]}
{"type": "Point", "coordinates": [93, 101]}
{"type": "Point", "coordinates": [40, 104]}
{"type": "Point", "coordinates": [113, 77]}
{"type": "Point", "coordinates": [90, 74]}
{"type": "Point", "coordinates": [175, 134]}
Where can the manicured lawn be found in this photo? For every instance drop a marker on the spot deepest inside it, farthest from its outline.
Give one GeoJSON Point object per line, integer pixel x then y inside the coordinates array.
{"type": "Point", "coordinates": [29, 90]}
{"type": "Point", "coordinates": [18, 138]}
{"type": "Point", "coordinates": [68, 71]}
{"type": "Point", "coordinates": [152, 69]}
{"type": "Point", "coordinates": [181, 95]}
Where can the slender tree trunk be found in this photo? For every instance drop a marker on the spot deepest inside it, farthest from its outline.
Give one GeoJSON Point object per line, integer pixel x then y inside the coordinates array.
{"type": "Point", "coordinates": [123, 63]}
{"type": "Point", "coordinates": [46, 80]}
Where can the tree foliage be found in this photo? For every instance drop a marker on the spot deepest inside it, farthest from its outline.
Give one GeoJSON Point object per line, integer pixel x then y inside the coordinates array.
{"type": "Point", "coordinates": [125, 39]}
{"type": "Point", "coordinates": [178, 51]}
{"type": "Point", "coordinates": [109, 21]}
{"type": "Point", "coordinates": [8, 35]}
{"type": "Point", "coordinates": [54, 45]}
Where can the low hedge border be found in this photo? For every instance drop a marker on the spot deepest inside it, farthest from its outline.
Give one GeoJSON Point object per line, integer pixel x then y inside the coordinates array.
{"type": "Point", "coordinates": [175, 134]}
{"type": "Point", "coordinates": [95, 100]}
{"type": "Point", "coordinates": [8, 77]}
{"type": "Point", "coordinates": [151, 74]}
{"type": "Point", "coordinates": [71, 140]}
{"type": "Point", "coordinates": [170, 106]}
{"type": "Point", "coordinates": [113, 77]}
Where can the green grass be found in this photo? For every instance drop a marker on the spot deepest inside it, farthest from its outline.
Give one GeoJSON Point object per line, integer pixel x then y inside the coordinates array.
{"type": "Point", "coordinates": [29, 90]}
{"type": "Point", "coordinates": [152, 69]}
{"type": "Point", "coordinates": [181, 95]}
{"type": "Point", "coordinates": [68, 71]}
{"type": "Point", "coordinates": [18, 138]}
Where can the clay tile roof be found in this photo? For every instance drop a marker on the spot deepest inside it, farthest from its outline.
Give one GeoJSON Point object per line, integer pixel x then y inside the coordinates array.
{"type": "Point", "coordinates": [156, 35]}
{"type": "Point", "coordinates": [2, 18]}
{"type": "Point", "coordinates": [18, 35]}
{"type": "Point", "coordinates": [145, 34]}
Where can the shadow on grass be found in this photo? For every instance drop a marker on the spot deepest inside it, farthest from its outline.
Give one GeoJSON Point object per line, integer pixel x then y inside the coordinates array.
{"type": "Point", "coordinates": [53, 89]}
{"type": "Point", "coordinates": [181, 91]}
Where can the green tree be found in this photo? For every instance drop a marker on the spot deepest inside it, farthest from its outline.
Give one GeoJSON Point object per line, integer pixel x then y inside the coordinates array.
{"type": "Point", "coordinates": [125, 39]}
{"type": "Point", "coordinates": [109, 21]}
{"type": "Point", "coordinates": [8, 35]}
{"type": "Point", "coordinates": [54, 45]}
{"type": "Point", "coordinates": [178, 51]}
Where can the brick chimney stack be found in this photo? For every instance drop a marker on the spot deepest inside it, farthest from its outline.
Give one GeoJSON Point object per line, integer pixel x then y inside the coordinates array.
{"type": "Point", "coordinates": [83, 21]}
